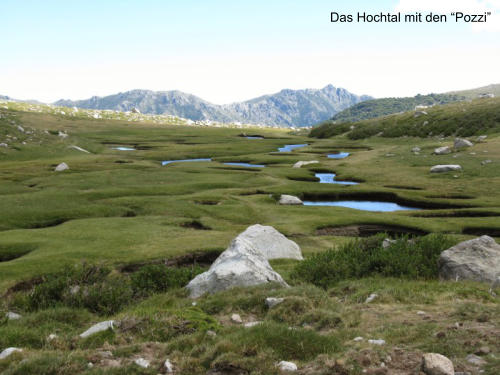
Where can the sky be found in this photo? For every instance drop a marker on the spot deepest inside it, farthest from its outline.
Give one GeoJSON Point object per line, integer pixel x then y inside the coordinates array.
{"type": "Point", "coordinates": [228, 50]}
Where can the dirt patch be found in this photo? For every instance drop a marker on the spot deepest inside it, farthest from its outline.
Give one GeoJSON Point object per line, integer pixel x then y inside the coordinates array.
{"type": "Point", "coordinates": [195, 224]}
{"type": "Point", "coordinates": [403, 187]}
{"type": "Point", "coordinates": [492, 232]}
{"type": "Point", "coordinates": [367, 230]}
{"type": "Point", "coordinates": [202, 258]}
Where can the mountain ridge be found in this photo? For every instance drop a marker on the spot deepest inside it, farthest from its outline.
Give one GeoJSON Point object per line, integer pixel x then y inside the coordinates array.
{"type": "Point", "coordinates": [285, 108]}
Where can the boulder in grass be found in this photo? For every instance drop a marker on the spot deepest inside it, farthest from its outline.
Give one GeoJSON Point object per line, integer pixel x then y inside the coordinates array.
{"type": "Point", "coordinates": [287, 366]}
{"type": "Point", "coordinates": [300, 164]}
{"type": "Point", "coordinates": [61, 167]}
{"type": "Point", "coordinates": [477, 259]}
{"type": "Point", "coordinates": [290, 200]}
{"type": "Point", "coordinates": [437, 364]}
{"type": "Point", "coordinates": [445, 168]}
{"type": "Point", "coordinates": [99, 327]}
{"type": "Point", "coordinates": [9, 351]}
{"type": "Point", "coordinates": [462, 143]}
{"type": "Point", "coordinates": [442, 150]}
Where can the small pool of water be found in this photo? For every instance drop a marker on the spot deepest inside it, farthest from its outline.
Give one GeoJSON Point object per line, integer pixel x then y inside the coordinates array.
{"type": "Point", "coordinates": [254, 137]}
{"type": "Point", "coordinates": [166, 162]}
{"type": "Point", "coordinates": [339, 155]}
{"type": "Point", "coordinates": [329, 178]}
{"type": "Point", "coordinates": [246, 165]}
{"type": "Point", "coordinates": [290, 148]}
{"type": "Point", "coordinates": [375, 206]}
{"type": "Point", "coordinates": [124, 148]}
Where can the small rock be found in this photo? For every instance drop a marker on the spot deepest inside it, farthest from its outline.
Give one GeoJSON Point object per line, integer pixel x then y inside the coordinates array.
{"type": "Point", "coordinates": [141, 362]}
{"type": "Point", "coordinates": [377, 341]}
{"type": "Point", "coordinates": [416, 149]}
{"type": "Point", "coordinates": [387, 243]}
{"type": "Point", "coordinates": [442, 150]}
{"type": "Point", "coordinates": [371, 297]}
{"type": "Point", "coordinates": [483, 350]}
{"type": "Point", "coordinates": [90, 365]}
{"type": "Point", "coordinates": [358, 339]}
{"type": "Point", "coordinates": [193, 303]}
{"type": "Point", "coordinates": [20, 128]}
{"type": "Point", "coordinates": [445, 168]}
{"type": "Point", "coordinates": [169, 368]}
{"type": "Point", "coordinates": [62, 135]}
{"type": "Point", "coordinates": [390, 155]}
{"type": "Point", "coordinates": [7, 352]}
{"type": "Point", "coordinates": [475, 360]}
{"type": "Point", "coordinates": [287, 366]}
{"type": "Point", "coordinates": [421, 312]}
{"type": "Point", "coordinates": [61, 167]}
{"type": "Point", "coordinates": [420, 113]}
{"type": "Point", "coordinates": [481, 138]}
{"type": "Point", "coordinates": [462, 143]}
{"type": "Point", "coordinates": [289, 200]}
{"type": "Point", "coordinates": [211, 333]}
{"type": "Point", "coordinates": [13, 316]}
{"type": "Point", "coordinates": [488, 161]}
{"type": "Point", "coordinates": [5, 145]}
{"type": "Point", "coordinates": [437, 364]}
{"type": "Point", "coordinates": [51, 337]}
{"type": "Point", "coordinates": [252, 324]}
{"type": "Point", "coordinates": [271, 301]}
{"type": "Point", "coordinates": [99, 327]}
{"type": "Point", "coordinates": [236, 318]}
{"type": "Point", "coordinates": [300, 164]}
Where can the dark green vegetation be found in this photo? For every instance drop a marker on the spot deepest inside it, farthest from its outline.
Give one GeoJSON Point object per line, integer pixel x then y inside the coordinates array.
{"type": "Point", "coordinates": [129, 233]}
{"type": "Point", "coordinates": [387, 106]}
{"type": "Point", "coordinates": [464, 119]}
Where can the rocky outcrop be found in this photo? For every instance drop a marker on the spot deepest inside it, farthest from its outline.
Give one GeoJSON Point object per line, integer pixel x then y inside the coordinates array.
{"type": "Point", "coordinates": [462, 143]}
{"type": "Point", "coordinates": [437, 364]}
{"type": "Point", "coordinates": [271, 243]}
{"type": "Point", "coordinates": [445, 168]}
{"type": "Point", "coordinates": [290, 200]}
{"type": "Point", "coordinates": [477, 259]}
{"type": "Point", "coordinates": [300, 164]}
{"type": "Point", "coordinates": [245, 262]}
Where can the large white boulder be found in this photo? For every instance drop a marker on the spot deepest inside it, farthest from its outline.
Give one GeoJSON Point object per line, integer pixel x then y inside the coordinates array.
{"type": "Point", "coordinates": [462, 143]}
{"type": "Point", "coordinates": [437, 364]}
{"type": "Point", "coordinates": [241, 265]}
{"type": "Point", "coordinates": [99, 327]}
{"type": "Point", "coordinates": [287, 366]}
{"type": "Point", "coordinates": [290, 200]}
{"type": "Point", "coordinates": [271, 243]}
{"type": "Point", "coordinates": [445, 168]}
{"type": "Point", "coordinates": [477, 259]}
{"type": "Point", "coordinates": [300, 164]}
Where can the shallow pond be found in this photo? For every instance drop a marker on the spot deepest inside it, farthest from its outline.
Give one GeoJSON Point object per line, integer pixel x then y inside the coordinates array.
{"type": "Point", "coordinates": [166, 162]}
{"type": "Point", "coordinates": [124, 148]}
{"type": "Point", "coordinates": [338, 155]}
{"type": "Point", "coordinates": [290, 148]}
{"type": "Point", "coordinates": [376, 206]}
{"type": "Point", "coordinates": [254, 137]}
{"type": "Point", "coordinates": [246, 165]}
{"type": "Point", "coordinates": [329, 178]}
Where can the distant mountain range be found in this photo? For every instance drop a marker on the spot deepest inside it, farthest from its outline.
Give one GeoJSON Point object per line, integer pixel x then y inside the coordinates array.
{"type": "Point", "coordinates": [285, 108]}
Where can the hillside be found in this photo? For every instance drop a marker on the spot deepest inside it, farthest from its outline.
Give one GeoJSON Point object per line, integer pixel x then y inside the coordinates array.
{"type": "Point", "coordinates": [473, 94]}
{"type": "Point", "coordinates": [466, 118]}
{"type": "Point", "coordinates": [387, 106]}
{"type": "Point", "coordinates": [285, 108]}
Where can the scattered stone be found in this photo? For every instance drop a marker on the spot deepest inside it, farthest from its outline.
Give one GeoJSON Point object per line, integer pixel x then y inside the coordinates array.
{"type": "Point", "coordinates": [51, 337]}
{"type": "Point", "coordinates": [358, 339]}
{"type": "Point", "coordinates": [236, 318]}
{"type": "Point", "coordinates": [7, 352]}
{"type": "Point", "coordinates": [61, 167]}
{"type": "Point", "coordinates": [211, 333]}
{"type": "Point", "coordinates": [20, 128]}
{"type": "Point", "coordinates": [445, 168]}
{"type": "Point", "coordinates": [99, 327]}
{"type": "Point", "coordinates": [271, 302]}
{"type": "Point", "coordinates": [141, 362]}
{"type": "Point", "coordinates": [462, 143]}
{"type": "Point", "coordinates": [472, 153]}
{"type": "Point", "coordinates": [442, 150]}
{"type": "Point", "coordinates": [475, 360]}
{"type": "Point", "coordinates": [90, 365]}
{"type": "Point", "coordinates": [62, 135]}
{"type": "Point", "coordinates": [488, 161]}
{"type": "Point", "coordinates": [483, 350]}
{"type": "Point", "coordinates": [477, 259]}
{"type": "Point", "coordinates": [13, 316]}
{"type": "Point", "coordinates": [371, 297]}
{"type": "Point", "coordinates": [5, 145]}
{"type": "Point", "coordinates": [300, 164]}
{"type": "Point", "coordinates": [105, 354]}
{"type": "Point", "coordinates": [437, 364]}
{"type": "Point", "coordinates": [388, 242]}
{"type": "Point", "coordinates": [79, 149]}
{"type": "Point", "coordinates": [289, 200]}
{"type": "Point", "coordinates": [252, 324]}
{"type": "Point", "coordinates": [287, 366]}
{"type": "Point", "coordinates": [390, 155]}
{"type": "Point", "coordinates": [377, 342]}
{"type": "Point", "coordinates": [416, 149]}
{"type": "Point", "coordinates": [271, 243]}
{"type": "Point", "coordinates": [481, 138]}
{"type": "Point", "coordinates": [421, 313]}
{"type": "Point", "coordinates": [169, 367]}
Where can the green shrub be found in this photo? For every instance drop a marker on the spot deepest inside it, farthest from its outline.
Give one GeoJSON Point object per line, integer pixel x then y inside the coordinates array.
{"type": "Point", "coordinates": [411, 259]}
{"type": "Point", "coordinates": [159, 278]}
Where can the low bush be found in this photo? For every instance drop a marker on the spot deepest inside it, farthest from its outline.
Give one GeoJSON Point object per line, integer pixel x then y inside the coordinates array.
{"type": "Point", "coordinates": [158, 278]}
{"type": "Point", "coordinates": [405, 258]}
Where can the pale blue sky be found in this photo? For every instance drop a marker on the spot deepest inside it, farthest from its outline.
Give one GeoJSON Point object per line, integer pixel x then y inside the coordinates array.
{"type": "Point", "coordinates": [227, 51]}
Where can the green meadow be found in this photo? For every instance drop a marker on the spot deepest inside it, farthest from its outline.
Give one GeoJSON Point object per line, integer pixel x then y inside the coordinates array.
{"type": "Point", "coordinates": [122, 210]}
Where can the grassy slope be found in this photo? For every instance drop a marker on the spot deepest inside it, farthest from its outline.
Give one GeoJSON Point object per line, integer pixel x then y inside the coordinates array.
{"type": "Point", "coordinates": [472, 94]}
{"type": "Point", "coordinates": [124, 207]}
